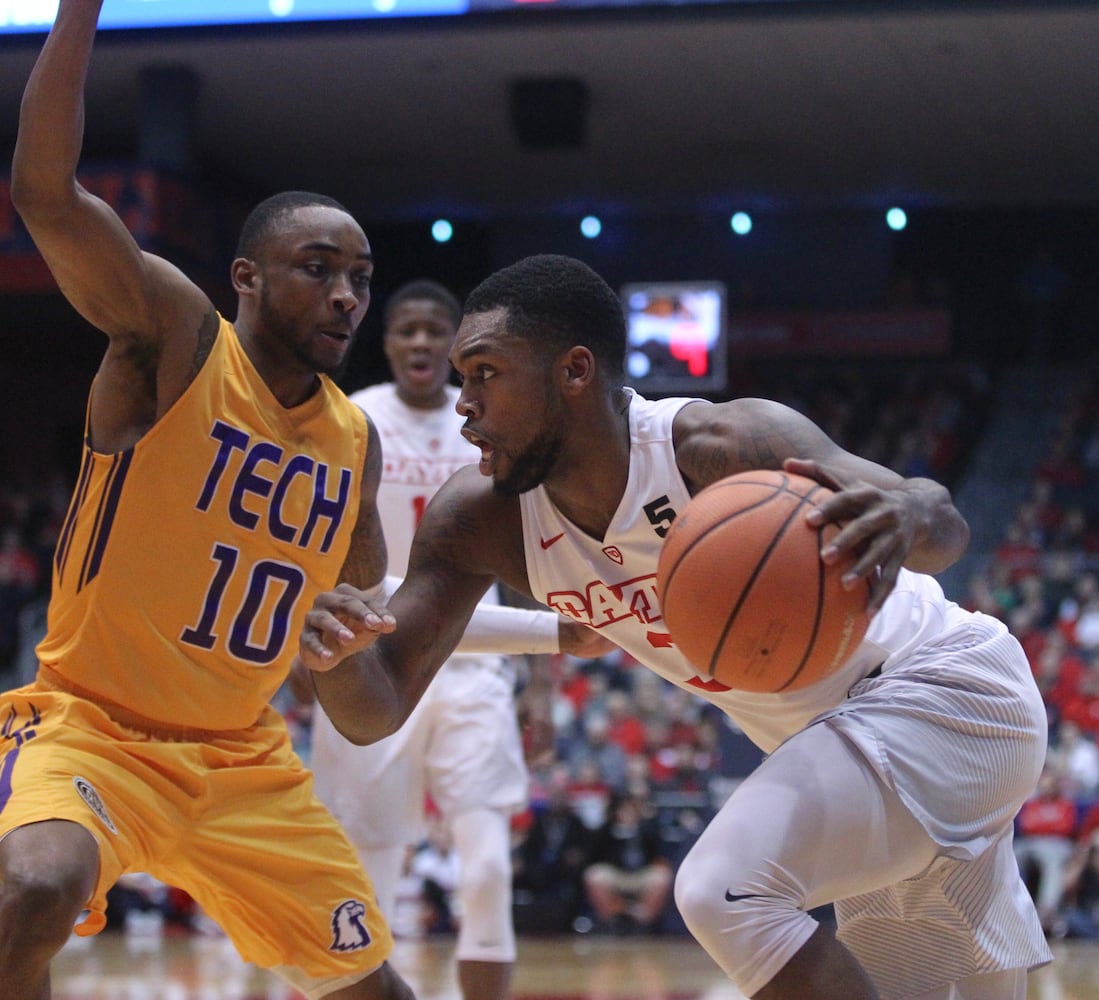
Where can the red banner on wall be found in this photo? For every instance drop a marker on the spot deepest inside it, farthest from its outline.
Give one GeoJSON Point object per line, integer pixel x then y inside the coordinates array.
{"type": "Point", "coordinates": [848, 333]}
{"type": "Point", "coordinates": [166, 216]}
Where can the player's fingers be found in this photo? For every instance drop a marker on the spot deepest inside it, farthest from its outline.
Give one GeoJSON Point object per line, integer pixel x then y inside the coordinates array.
{"type": "Point", "coordinates": [357, 635]}
{"type": "Point", "coordinates": [812, 469]}
{"type": "Point", "coordinates": [321, 639]}
{"type": "Point", "coordinates": [324, 627]}
{"type": "Point", "coordinates": [356, 608]}
{"type": "Point", "coordinates": [313, 653]}
{"type": "Point", "coordinates": [345, 602]}
{"type": "Point", "coordinates": [882, 582]}
{"type": "Point", "coordinates": [870, 539]}
{"type": "Point", "coordinates": [322, 648]}
{"type": "Point", "coordinates": [880, 564]}
{"type": "Point", "coordinates": [337, 618]}
{"type": "Point", "coordinates": [855, 536]}
{"type": "Point", "coordinates": [851, 505]}
{"type": "Point", "coordinates": [378, 618]}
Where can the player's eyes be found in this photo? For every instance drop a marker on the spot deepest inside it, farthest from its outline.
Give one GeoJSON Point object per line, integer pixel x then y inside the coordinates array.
{"type": "Point", "coordinates": [479, 374]}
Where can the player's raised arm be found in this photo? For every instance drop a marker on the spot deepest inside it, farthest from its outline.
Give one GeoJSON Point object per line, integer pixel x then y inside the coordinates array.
{"type": "Point", "coordinates": [889, 520]}
{"type": "Point", "coordinates": [130, 295]}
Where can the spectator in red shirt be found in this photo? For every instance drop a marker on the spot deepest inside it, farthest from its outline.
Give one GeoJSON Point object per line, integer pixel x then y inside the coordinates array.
{"type": "Point", "coordinates": [1082, 705]}
{"type": "Point", "coordinates": [19, 578]}
{"type": "Point", "coordinates": [1045, 841]}
{"type": "Point", "coordinates": [624, 727]}
{"type": "Point", "coordinates": [1061, 467]}
{"type": "Point", "coordinates": [1044, 512]}
{"type": "Point", "coordinates": [574, 683]}
{"type": "Point", "coordinates": [1019, 551]}
{"type": "Point", "coordinates": [1058, 670]}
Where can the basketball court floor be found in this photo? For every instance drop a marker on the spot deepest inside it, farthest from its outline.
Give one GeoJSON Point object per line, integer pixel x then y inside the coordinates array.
{"type": "Point", "coordinates": [116, 966]}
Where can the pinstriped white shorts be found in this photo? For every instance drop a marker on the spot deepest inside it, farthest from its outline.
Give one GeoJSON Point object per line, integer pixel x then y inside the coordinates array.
{"type": "Point", "coordinates": [897, 806]}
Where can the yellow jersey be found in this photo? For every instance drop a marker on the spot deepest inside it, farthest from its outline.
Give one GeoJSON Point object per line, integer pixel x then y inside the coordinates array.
{"type": "Point", "coordinates": [186, 564]}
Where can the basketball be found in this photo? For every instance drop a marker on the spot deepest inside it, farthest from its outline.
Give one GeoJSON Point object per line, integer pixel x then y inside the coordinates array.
{"type": "Point", "coordinates": [744, 593]}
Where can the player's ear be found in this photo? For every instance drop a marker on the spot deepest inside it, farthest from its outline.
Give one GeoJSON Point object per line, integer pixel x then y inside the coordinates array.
{"type": "Point", "coordinates": [578, 364]}
{"type": "Point", "coordinates": [243, 273]}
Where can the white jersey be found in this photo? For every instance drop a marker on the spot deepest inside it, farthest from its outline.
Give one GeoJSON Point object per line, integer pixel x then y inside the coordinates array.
{"type": "Point", "coordinates": [421, 450]}
{"type": "Point", "coordinates": [611, 586]}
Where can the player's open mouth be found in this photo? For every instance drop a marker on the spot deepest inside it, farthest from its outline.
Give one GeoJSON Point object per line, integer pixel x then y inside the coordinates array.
{"type": "Point", "coordinates": [487, 450]}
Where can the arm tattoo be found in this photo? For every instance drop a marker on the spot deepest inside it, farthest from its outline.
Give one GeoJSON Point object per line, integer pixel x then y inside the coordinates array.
{"type": "Point", "coordinates": [204, 344]}
{"type": "Point", "coordinates": [366, 559]}
{"type": "Point", "coordinates": [755, 451]}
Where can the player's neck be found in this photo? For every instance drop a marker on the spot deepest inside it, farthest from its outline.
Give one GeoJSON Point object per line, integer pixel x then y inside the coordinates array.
{"type": "Point", "coordinates": [591, 478]}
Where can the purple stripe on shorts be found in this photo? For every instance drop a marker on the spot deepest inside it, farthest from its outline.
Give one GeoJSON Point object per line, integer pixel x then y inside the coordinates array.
{"type": "Point", "coordinates": [5, 777]}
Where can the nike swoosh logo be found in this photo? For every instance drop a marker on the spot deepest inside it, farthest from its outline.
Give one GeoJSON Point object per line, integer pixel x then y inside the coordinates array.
{"type": "Point", "coordinates": [547, 542]}
{"type": "Point", "coordinates": [730, 898]}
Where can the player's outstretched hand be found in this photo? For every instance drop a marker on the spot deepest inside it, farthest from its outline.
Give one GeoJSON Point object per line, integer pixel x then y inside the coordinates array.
{"type": "Point", "coordinates": [579, 640]}
{"type": "Point", "coordinates": [341, 622]}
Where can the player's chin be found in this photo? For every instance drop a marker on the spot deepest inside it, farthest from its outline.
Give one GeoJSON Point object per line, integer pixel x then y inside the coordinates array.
{"type": "Point", "coordinates": [504, 486]}
{"type": "Point", "coordinates": [331, 360]}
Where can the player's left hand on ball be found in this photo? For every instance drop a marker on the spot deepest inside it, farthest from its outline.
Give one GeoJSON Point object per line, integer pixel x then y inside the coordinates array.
{"type": "Point", "coordinates": [341, 622]}
{"type": "Point", "coordinates": [875, 524]}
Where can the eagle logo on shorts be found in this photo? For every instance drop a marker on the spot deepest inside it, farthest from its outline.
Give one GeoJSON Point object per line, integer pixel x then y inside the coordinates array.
{"type": "Point", "coordinates": [349, 933]}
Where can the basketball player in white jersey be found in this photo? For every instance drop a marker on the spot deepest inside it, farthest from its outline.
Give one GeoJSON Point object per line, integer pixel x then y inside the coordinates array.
{"type": "Point", "coordinates": [890, 787]}
{"type": "Point", "coordinates": [462, 743]}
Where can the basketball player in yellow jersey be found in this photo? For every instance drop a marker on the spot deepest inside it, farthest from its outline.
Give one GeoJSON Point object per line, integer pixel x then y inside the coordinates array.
{"type": "Point", "coordinates": [225, 481]}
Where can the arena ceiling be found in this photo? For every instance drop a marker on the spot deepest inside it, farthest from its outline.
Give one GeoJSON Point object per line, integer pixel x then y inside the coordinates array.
{"type": "Point", "coordinates": [799, 104]}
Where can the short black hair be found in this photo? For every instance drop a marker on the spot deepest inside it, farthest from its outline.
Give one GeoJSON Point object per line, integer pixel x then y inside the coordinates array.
{"type": "Point", "coordinates": [423, 288]}
{"type": "Point", "coordinates": [559, 302]}
{"type": "Point", "coordinates": [263, 218]}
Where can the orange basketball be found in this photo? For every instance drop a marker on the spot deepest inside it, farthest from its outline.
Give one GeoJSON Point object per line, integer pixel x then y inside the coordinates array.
{"type": "Point", "coordinates": [744, 593]}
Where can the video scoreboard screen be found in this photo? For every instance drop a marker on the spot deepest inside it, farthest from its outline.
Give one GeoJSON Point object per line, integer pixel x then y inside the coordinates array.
{"type": "Point", "coordinates": [37, 15]}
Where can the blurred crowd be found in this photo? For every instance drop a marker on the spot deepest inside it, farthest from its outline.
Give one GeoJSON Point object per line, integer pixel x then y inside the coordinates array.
{"type": "Point", "coordinates": [31, 512]}
{"type": "Point", "coordinates": [1043, 580]}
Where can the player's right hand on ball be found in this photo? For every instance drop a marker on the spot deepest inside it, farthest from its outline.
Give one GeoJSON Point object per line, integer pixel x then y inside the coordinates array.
{"type": "Point", "coordinates": [341, 622]}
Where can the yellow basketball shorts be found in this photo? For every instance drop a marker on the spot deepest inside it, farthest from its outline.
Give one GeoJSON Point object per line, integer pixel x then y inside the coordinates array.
{"type": "Point", "coordinates": [230, 818]}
